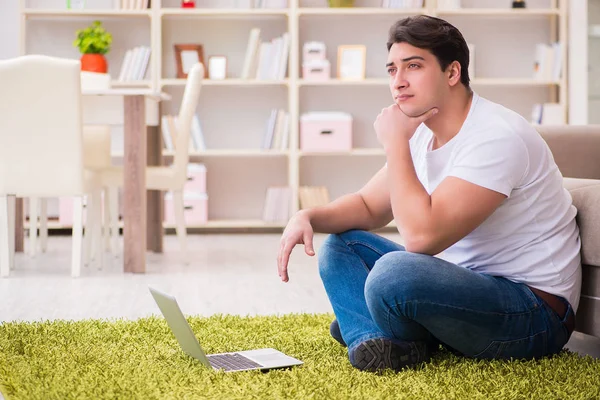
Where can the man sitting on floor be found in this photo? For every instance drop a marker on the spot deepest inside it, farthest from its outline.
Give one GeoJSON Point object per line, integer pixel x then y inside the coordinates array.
{"type": "Point", "coordinates": [490, 266]}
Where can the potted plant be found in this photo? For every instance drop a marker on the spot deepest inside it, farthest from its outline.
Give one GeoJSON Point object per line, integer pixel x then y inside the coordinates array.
{"type": "Point", "coordinates": [341, 3]}
{"type": "Point", "coordinates": [93, 43]}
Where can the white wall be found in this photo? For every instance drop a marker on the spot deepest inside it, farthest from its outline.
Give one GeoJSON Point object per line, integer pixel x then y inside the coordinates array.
{"type": "Point", "coordinates": [578, 62]}
{"type": "Point", "coordinates": [9, 29]}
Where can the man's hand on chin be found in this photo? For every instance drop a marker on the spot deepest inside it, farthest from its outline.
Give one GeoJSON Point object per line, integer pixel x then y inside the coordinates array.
{"type": "Point", "coordinates": [393, 124]}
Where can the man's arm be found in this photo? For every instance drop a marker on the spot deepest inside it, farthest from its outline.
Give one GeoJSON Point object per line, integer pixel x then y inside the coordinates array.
{"type": "Point", "coordinates": [430, 224]}
{"type": "Point", "coordinates": [367, 209]}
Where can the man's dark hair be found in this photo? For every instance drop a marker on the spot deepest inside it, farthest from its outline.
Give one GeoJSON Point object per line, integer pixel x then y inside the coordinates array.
{"type": "Point", "coordinates": [436, 35]}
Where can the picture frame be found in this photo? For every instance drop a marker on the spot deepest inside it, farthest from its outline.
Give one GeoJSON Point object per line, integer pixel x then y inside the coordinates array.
{"type": "Point", "coordinates": [217, 67]}
{"type": "Point", "coordinates": [187, 55]}
{"type": "Point", "coordinates": [351, 62]}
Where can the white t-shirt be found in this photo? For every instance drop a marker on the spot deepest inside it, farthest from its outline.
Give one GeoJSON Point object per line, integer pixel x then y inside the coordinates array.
{"type": "Point", "coordinates": [532, 237]}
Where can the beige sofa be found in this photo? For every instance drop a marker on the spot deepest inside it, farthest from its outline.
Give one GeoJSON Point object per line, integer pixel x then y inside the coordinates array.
{"type": "Point", "coordinates": [576, 150]}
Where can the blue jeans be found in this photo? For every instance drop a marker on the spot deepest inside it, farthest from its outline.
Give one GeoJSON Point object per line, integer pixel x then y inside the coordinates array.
{"type": "Point", "coordinates": [379, 290]}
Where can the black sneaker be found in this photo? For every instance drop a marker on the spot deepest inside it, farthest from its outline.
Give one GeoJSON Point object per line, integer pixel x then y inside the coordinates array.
{"type": "Point", "coordinates": [334, 330]}
{"type": "Point", "coordinates": [379, 354]}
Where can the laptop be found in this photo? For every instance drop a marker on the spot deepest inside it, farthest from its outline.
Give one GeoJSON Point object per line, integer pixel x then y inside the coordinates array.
{"type": "Point", "coordinates": [262, 359]}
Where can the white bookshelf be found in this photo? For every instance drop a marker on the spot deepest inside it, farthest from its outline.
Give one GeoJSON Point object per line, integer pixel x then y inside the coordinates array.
{"type": "Point", "coordinates": [234, 111]}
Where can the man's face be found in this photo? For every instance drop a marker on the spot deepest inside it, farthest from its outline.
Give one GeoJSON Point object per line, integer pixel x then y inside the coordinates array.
{"type": "Point", "coordinates": [416, 80]}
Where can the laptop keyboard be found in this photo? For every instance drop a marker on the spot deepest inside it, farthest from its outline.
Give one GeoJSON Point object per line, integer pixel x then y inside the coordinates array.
{"type": "Point", "coordinates": [231, 362]}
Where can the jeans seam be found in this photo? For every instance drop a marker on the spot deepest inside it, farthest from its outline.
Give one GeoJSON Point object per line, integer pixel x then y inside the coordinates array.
{"type": "Point", "coordinates": [467, 309]}
{"type": "Point", "coordinates": [350, 243]}
{"type": "Point", "coordinates": [353, 242]}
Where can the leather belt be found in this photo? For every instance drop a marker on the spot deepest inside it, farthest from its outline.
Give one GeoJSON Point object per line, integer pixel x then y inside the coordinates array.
{"type": "Point", "coordinates": [558, 306]}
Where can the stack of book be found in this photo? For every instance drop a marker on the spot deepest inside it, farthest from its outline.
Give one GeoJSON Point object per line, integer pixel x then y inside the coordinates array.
{"type": "Point", "coordinates": [132, 4]}
{"type": "Point", "coordinates": [313, 196]}
{"type": "Point", "coordinates": [278, 131]}
{"type": "Point", "coordinates": [169, 133]}
{"type": "Point", "coordinates": [277, 204]}
{"type": "Point", "coordinates": [266, 60]}
{"type": "Point", "coordinates": [547, 65]}
{"type": "Point", "coordinates": [261, 3]}
{"type": "Point", "coordinates": [548, 114]}
{"type": "Point", "coordinates": [135, 64]}
{"type": "Point", "coordinates": [402, 3]}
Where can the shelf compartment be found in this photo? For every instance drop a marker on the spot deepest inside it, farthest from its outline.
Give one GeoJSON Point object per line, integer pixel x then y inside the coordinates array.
{"type": "Point", "coordinates": [211, 224]}
{"type": "Point", "coordinates": [474, 81]}
{"type": "Point", "coordinates": [44, 12]}
{"type": "Point", "coordinates": [342, 82]}
{"type": "Point", "coordinates": [244, 12]}
{"type": "Point", "coordinates": [227, 82]}
{"type": "Point", "coordinates": [130, 84]}
{"type": "Point", "coordinates": [360, 11]}
{"type": "Point", "coordinates": [351, 153]}
{"type": "Point", "coordinates": [512, 82]}
{"type": "Point", "coordinates": [233, 224]}
{"type": "Point", "coordinates": [502, 12]}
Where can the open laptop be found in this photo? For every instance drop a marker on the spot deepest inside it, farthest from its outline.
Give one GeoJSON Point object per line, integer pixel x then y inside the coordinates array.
{"type": "Point", "coordinates": [263, 359]}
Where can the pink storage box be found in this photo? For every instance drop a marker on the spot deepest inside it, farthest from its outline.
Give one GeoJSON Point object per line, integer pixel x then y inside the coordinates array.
{"type": "Point", "coordinates": [196, 183]}
{"type": "Point", "coordinates": [326, 131]}
{"type": "Point", "coordinates": [196, 209]}
{"type": "Point", "coordinates": [316, 70]}
{"type": "Point", "coordinates": [313, 51]}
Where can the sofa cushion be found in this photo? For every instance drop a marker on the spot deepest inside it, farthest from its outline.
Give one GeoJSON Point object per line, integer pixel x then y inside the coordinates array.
{"type": "Point", "coordinates": [586, 198]}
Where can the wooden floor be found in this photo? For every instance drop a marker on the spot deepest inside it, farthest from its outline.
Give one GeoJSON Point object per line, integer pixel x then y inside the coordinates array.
{"type": "Point", "coordinates": [227, 273]}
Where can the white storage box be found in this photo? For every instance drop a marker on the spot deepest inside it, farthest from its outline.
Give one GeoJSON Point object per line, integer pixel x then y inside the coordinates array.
{"type": "Point", "coordinates": [326, 131]}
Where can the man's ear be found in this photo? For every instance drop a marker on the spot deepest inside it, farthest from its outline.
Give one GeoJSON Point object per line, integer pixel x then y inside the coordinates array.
{"type": "Point", "coordinates": [454, 72]}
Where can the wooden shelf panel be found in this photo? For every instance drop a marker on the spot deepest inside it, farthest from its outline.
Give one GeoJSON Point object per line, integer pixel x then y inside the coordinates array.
{"type": "Point", "coordinates": [130, 84]}
{"type": "Point", "coordinates": [235, 223]}
{"type": "Point", "coordinates": [351, 153]}
{"type": "Point", "coordinates": [344, 82]}
{"type": "Point", "coordinates": [513, 82]}
{"type": "Point", "coordinates": [236, 153]}
{"type": "Point", "coordinates": [227, 82]}
{"type": "Point", "coordinates": [502, 12]}
{"type": "Point", "coordinates": [225, 153]}
{"type": "Point", "coordinates": [474, 81]}
{"type": "Point", "coordinates": [252, 12]}
{"type": "Point", "coordinates": [360, 11]}
{"type": "Point", "coordinates": [43, 12]}
{"type": "Point", "coordinates": [225, 223]}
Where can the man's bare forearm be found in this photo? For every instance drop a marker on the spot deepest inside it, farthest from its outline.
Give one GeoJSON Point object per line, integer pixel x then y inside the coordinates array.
{"type": "Point", "coordinates": [342, 214]}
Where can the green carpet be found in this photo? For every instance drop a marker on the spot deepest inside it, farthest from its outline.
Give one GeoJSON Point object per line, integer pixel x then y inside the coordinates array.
{"type": "Point", "coordinates": [141, 359]}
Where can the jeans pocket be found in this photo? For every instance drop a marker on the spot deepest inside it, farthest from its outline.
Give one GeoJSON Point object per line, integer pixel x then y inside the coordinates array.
{"type": "Point", "coordinates": [534, 346]}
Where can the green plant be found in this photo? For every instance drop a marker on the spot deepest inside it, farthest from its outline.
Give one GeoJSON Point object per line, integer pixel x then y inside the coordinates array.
{"type": "Point", "coordinates": [93, 40]}
{"type": "Point", "coordinates": [341, 3]}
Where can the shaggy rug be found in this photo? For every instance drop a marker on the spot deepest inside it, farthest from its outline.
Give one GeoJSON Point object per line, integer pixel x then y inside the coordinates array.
{"type": "Point", "coordinates": [96, 359]}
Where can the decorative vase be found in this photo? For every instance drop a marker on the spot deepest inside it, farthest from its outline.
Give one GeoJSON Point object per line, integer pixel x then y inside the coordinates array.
{"type": "Point", "coordinates": [341, 3]}
{"type": "Point", "coordinates": [519, 4]}
{"type": "Point", "coordinates": [188, 4]}
{"type": "Point", "coordinates": [94, 63]}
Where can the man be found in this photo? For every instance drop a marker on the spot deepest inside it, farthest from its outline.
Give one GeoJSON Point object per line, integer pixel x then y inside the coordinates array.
{"type": "Point", "coordinates": [491, 265]}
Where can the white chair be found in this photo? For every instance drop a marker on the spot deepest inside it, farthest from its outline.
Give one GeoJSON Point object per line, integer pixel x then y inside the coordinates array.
{"type": "Point", "coordinates": [168, 178]}
{"type": "Point", "coordinates": [96, 156]}
{"type": "Point", "coordinates": [41, 149]}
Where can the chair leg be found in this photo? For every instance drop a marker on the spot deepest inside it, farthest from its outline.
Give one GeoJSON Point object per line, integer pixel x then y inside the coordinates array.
{"type": "Point", "coordinates": [44, 224]}
{"type": "Point", "coordinates": [96, 225]}
{"type": "Point", "coordinates": [106, 220]}
{"type": "Point", "coordinates": [180, 220]}
{"type": "Point", "coordinates": [88, 236]}
{"type": "Point", "coordinates": [76, 252]}
{"type": "Point", "coordinates": [5, 233]}
{"type": "Point", "coordinates": [12, 214]}
{"type": "Point", "coordinates": [33, 225]}
{"type": "Point", "coordinates": [113, 195]}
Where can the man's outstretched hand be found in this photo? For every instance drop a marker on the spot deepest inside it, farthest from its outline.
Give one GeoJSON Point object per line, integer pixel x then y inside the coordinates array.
{"type": "Point", "coordinates": [298, 231]}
